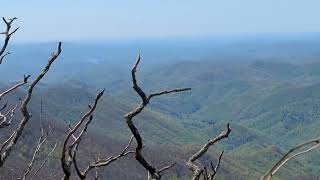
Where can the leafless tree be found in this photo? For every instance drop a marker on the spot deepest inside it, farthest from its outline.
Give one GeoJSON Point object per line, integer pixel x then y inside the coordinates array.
{"type": "Point", "coordinates": [153, 173]}
{"type": "Point", "coordinates": [42, 139]}
{"type": "Point", "coordinates": [198, 171]}
{"type": "Point", "coordinates": [6, 118]}
{"type": "Point", "coordinates": [69, 161]}
{"type": "Point", "coordinates": [69, 150]}
{"type": "Point", "coordinates": [7, 33]}
{"type": "Point", "coordinates": [44, 135]}
{"type": "Point", "coordinates": [9, 144]}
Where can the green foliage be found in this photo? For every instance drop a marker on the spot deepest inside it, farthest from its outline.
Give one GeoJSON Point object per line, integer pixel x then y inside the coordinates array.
{"type": "Point", "coordinates": [272, 105]}
{"type": "Point", "coordinates": [269, 111]}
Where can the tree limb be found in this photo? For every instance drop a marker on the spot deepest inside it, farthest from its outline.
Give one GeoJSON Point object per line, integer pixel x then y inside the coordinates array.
{"type": "Point", "coordinates": [105, 162]}
{"type": "Point", "coordinates": [69, 151]}
{"type": "Point", "coordinates": [290, 155]}
{"type": "Point", "coordinates": [152, 171]}
{"type": "Point", "coordinates": [8, 35]}
{"type": "Point", "coordinates": [197, 171]}
{"type": "Point", "coordinates": [42, 139]}
{"type": "Point", "coordinates": [11, 142]}
{"type": "Point", "coordinates": [5, 120]}
{"type": "Point", "coordinates": [45, 161]}
{"type": "Point", "coordinates": [25, 81]}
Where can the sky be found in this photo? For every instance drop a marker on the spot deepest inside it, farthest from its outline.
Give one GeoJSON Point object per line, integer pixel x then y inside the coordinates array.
{"type": "Point", "coordinates": [69, 20]}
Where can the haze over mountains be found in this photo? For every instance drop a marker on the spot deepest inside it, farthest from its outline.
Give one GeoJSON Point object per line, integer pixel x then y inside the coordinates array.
{"type": "Point", "coordinates": [266, 86]}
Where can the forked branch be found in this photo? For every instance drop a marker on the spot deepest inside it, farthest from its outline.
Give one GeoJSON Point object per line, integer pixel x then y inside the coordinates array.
{"type": "Point", "coordinates": [42, 139]}
{"type": "Point", "coordinates": [105, 162]}
{"type": "Point", "coordinates": [197, 171]}
{"type": "Point", "coordinates": [69, 148]}
{"type": "Point", "coordinates": [7, 33]}
{"type": "Point", "coordinates": [10, 143]}
{"type": "Point", "coordinates": [211, 176]}
{"type": "Point", "coordinates": [152, 171]}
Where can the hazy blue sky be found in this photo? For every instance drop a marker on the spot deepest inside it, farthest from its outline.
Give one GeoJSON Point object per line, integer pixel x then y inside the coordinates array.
{"type": "Point", "coordinates": [92, 19]}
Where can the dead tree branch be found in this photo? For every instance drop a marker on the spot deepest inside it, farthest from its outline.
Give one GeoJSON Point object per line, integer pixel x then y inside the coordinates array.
{"type": "Point", "coordinates": [2, 57]}
{"type": "Point", "coordinates": [292, 153]}
{"type": "Point", "coordinates": [42, 139]}
{"type": "Point", "coordinates": [10, 143]}
{"type": "Point", "coordinates": [69, 149]}
{"type": "Point", "coordinates": [16, 86]}
{"type": "Point", "coordinates": [7, 33]}
{"type": "Point", "coordinates": [105, 162]}
{"type": "Point", "coordinates": [152, 171]}
{"type": "Point", "coordinates": [197, 171]}
{"type": "Point", "coordinates": [212, 176]}
{"type": "Point", "coordinates": [5, 121]}
{"type": "Point", "coordinates": [45, 160]}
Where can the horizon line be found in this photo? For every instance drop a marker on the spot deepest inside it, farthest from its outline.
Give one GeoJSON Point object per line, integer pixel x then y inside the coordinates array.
{"type": "Point", "coordinates": [91, 40]}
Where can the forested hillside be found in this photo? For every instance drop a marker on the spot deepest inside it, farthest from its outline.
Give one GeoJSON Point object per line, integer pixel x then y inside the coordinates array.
{"type": "Point", "coordinates": [269, 91]}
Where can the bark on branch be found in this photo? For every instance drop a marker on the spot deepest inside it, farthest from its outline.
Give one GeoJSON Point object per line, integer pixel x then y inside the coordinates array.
{"type": "Point", "coordinates": [10, 143]}
{"type": "Point", "coordinates": [105, 162]}
{"type": "Point", "coordinates": [16, 86]}
{"type": "Point", "coordinates": [197, 171]}
{"type": "Point", "coordinates": [42, 139]}
{"type": "Point", "coordinates": [7, 33]}
{"type": "Point", "coordinates": [152, 171]}
{"type": "Point", "coordinates": [292, 153]}
{"type": "Point", "coordinates": [69, 149]}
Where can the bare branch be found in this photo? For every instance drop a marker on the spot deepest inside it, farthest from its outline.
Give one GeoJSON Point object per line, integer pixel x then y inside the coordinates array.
{"type": "Point", "coordinates": [45, 161]}
{"type": "Point", "coordinates": [7, 34]}
{"type": "Point", "coordinates": [168, 92]}
{"type": "Point", "coordinates": [212, 176]}
{"type": "Point", "coordinates": [3, 56]}
{"type": "Point", "coordinates": [97, 175]}
{"type": "Point", "coordinates": [152, 171]}
{"type": "Point", "coordinates": [105, 162]}
{"type": "Point", "coordinates": [42, 139]}
{"type": "Point", "coordinates": [290, 155]}
{"type": "Point", "coordinates": [197, 171]}
{"type": "Point", "coordinates": [4, 106]}
{"type": "Point", "coordinates": [25, 81]}
{"type": "Point", "coordinates": [4, 117]}
{"type": "Point", "coordinates": [11, 142]}
{"type": "Point", "coordinates": [69, 151]}
{"type": "Point", "coordinates": [167, 167]}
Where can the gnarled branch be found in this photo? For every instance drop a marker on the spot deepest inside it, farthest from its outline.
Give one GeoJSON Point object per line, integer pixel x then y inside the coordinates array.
{"type": "Point", "coordinates": [152, 171]}
{"type": "Point", "coordinates": [69, 149]}
{"type": "Point", "coordinates": [10, 143]}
